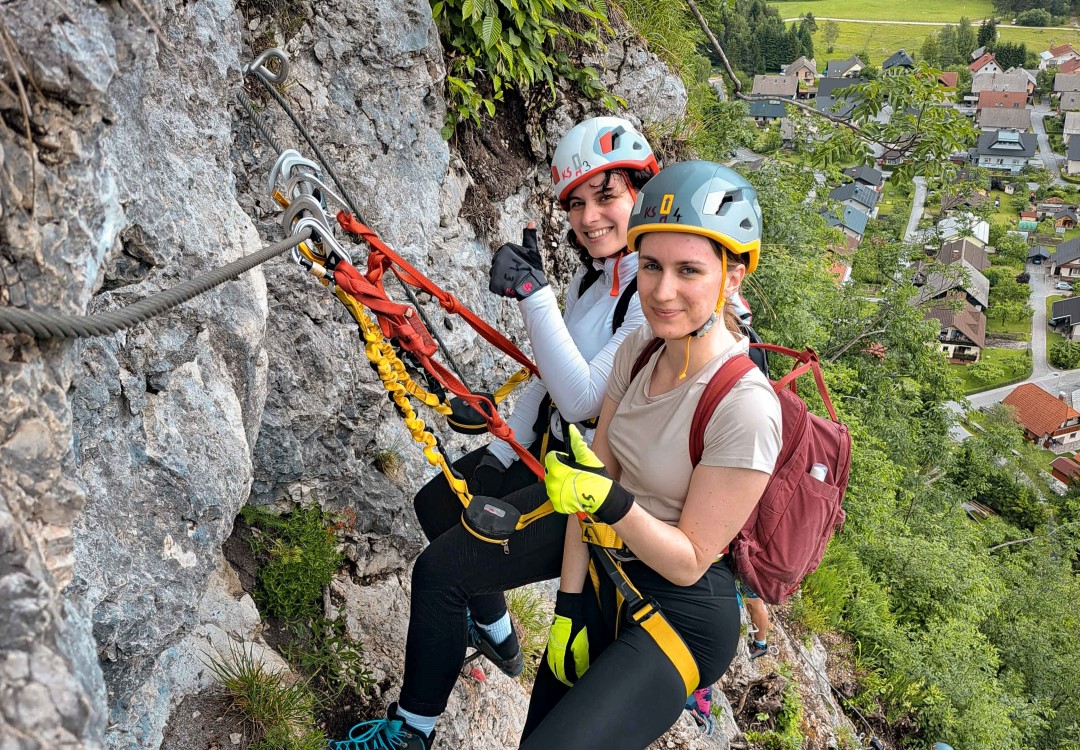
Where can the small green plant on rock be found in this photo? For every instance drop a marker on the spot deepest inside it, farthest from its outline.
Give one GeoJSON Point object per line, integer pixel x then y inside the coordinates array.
{"type": "Point", "coordinates": [786, 733]}
{"type": "Point", "coordinates": [303, 558]}
{"type": "Point", "coordinates": [496, 45]}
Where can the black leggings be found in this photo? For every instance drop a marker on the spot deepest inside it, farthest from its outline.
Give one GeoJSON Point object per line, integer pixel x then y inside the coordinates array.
{"type": "Point", "coordinates": [632, 693]}
{"type": "Point", "coordinates": [458, 571]}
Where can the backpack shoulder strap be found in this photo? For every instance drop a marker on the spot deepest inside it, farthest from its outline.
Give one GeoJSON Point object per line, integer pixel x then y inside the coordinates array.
{"type": "Point", "coordinates": [588, 279]}
{"type": "Point", "coordinates": [643, 357]}
{"type": "Point", "coordinates": [623, 305]}
{"type": "Point", "coordinates": [719, 386]}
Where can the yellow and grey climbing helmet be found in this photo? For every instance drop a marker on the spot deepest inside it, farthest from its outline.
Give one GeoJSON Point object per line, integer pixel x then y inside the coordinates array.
{"type": "Point", "coordinates": [597, 145]}
{"type": "Point", "coordinates": [703, 198]}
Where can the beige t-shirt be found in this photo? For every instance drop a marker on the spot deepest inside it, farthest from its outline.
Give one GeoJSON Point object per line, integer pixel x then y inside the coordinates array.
{"type": "Point", "coordinates": [650, 435]}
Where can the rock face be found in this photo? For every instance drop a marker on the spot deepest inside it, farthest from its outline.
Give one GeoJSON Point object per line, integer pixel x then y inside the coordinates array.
{"type": "Point", "coordinates": [126, 458]}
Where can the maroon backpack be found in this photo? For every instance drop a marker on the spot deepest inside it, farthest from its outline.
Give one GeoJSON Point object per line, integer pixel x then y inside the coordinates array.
{"type": "Point", "coordinates": [784, 538]}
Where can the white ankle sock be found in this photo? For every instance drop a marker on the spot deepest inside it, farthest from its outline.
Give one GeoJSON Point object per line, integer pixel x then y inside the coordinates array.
{"type": "Point", "coordinates": [425, 724]}
{"type": "Point", "coordinates": [499, 630]}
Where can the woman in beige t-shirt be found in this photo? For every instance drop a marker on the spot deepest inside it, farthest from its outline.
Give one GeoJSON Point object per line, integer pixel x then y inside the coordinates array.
{"type": "Point", "coordinates": [606, 682]}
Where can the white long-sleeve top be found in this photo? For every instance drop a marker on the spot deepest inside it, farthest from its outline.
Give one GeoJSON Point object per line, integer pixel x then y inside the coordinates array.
{"type": "Point", "coordinates": [573, 350]}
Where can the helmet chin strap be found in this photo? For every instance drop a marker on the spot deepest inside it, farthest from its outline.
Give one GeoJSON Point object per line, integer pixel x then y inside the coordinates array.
{"type": "Point", "coordinates": [708, 325]}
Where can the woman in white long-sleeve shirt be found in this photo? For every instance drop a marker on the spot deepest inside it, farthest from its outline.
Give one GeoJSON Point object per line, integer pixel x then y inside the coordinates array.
{"type": "Point", "coordinates": [459, 580]}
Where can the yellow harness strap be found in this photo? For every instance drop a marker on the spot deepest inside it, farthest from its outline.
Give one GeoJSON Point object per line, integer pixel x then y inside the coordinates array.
{"type": "Point", "coordinates": [647, 614]}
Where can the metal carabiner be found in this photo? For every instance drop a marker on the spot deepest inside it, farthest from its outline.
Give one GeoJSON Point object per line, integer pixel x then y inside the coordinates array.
{"type": "Point", "coordinates": [284, 165]}
{"type": "Point", "coordinates": [300, 176]}
{"type": "Point", "coordinates": [299, 205]}
{"type": "Point", "coordinates": [325, 237]}
{"type": "Point", "coordinates": [258, 66]}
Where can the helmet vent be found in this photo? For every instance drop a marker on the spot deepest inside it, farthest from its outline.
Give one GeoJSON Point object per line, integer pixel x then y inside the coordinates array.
{"type": "Point", "coordinates": [726, 201]}
{"type": "Point", "coordinates": [745, 224]}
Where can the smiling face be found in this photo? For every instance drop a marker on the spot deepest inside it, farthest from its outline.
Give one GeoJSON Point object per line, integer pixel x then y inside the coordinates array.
{"type": "Point", "coordinates": [679, 281]}
{"type": "Point", "coordinates": [599, 210]}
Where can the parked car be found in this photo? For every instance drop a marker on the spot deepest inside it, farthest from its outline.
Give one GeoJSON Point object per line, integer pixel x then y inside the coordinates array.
{"type": "Point", "coordinates": [1063, 286]}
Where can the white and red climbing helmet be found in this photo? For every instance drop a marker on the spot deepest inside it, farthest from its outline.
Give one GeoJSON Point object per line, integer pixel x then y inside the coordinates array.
{"type": "Point", "coordinates": [597, 145]}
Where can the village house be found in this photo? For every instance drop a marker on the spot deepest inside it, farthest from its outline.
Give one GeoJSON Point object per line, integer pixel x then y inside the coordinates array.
{"type": "Point", "coordinates": [948, 79]}
{"type": "Point", "coordinates": [1000, 99]}
{"type": "Point", "coordinates": [960, 277]}
{"type": "Point", "coordinates": [830, 100]}
{"type": "Point", "coordinates": [900, 60]}
{"type": "Point", "coordinates": [964, 248]}
{"type": "Point", "coordinates": [844, 68]}
{"type": "Point", "coordinates": [1065, 317]}
{"type": "Point", "coordinates": [1069, 101]}
{"type": "Point", "coordinates": [1057, 56]}
{"type": "Point", "coordinates": [1006, 150]}
{"type": "Point", "coordinates": [965, 225]}
{"type": "Point", "coordinates": [1072, 126]}
{"type": "Point", "coordinates": [1065, 262]}
{"type": "Point", "coordinates": [1046, 419]}
{"type": "Point", "coordinates": [1005, 119]}
{"type": "Point", "coordinates": [1066, 470]}
{"type": "Point", "coordinates": [852, 223]}
{"type": "Point", "coordinates": [985, 64]}
{"type": "Point", "coordinates": [1070, 66]}
{"type": "Point", "coordinates": [1013, 81]}
{"type": "Point", "coordinates": [1067, 89]}
{"type": "Point", "coordinates": [806, 71]}
{"type": "Point", "coordinates": [861, 197]}
{"type": "Point", "coordinates": [866, 176]}
{"type": "Point", "coordinates": [1072, 157]}
{"type": "Point", "coordinates": [764, 111]}
{"type": "Point", "coordinates": [963, 331]}
{"type": "Point", "coordinates": [780, 87]}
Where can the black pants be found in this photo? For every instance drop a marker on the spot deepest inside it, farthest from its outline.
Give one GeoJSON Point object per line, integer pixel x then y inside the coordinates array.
{"type": "Point", "coordinates": [458, 571]}
{"type": "Point", "coordinates": [632, 693]}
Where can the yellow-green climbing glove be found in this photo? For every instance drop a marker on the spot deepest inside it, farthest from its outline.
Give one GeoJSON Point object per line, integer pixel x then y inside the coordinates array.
{"type": "Point", "coordinates": [577, 481]}
{"type": "Point", "coordinates": [568, 640]}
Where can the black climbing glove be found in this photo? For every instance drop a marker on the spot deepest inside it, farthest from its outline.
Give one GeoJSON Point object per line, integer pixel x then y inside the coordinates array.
{"type": "Point", "coordinates": [488, 476]}
{"type": "Point", "coordinates": [568, 639]}
{"type": "Point", "coordinates": [518, 270]}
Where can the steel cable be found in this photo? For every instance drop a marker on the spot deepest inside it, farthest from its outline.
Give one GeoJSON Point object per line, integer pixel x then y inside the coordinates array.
{"type": "Point", "coordinates": [53, 326]}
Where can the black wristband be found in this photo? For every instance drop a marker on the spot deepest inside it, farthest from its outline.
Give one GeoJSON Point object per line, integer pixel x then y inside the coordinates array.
{"type": "Point", "coordinates": [569, 605]}
{"type": "Point", "coordinates": [615, 506]}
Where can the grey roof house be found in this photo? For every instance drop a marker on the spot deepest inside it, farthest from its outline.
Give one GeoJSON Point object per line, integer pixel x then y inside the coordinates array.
{"type": "Point", "coordinates": [843, 68]}
{"type": "Point", "coordinates": [866, 175]}
{"type": "Point", "coordinates": [1005, 119]}
{"type": "Point", "coordinates": [784, 87]}
{"type": "Point", "coordinates": [830, 100]}
{"type": "Point", "coordinates": [858, 196]}
{"type": "Point", "coordinates": [960, 275]}
{"type": "Point", "coordinates": [899, 59]}
{"type": "Point", "coordinates": [1007, 150]}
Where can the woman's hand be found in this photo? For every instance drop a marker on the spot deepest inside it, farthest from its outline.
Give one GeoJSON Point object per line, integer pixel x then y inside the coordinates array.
{"type": "Point", "coordinates": [517, 271]}
{"type": "Point", "coordinates": [568, 639]}
{"type": "Point", "coordinates": [577, 481]}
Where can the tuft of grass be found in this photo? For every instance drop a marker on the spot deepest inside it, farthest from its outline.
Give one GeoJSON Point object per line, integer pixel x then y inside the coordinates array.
{"type": "Point", "coordinates": [279, 709]}
{"type": "Point", "coordinates": [532, 617]}
{"type": "Point", "coordinates": [390, 462]}
{"type": "Point", "coordinates": [786, 733]}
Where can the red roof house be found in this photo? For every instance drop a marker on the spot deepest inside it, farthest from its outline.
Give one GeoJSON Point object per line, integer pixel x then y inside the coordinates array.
{"type": "Point", "coordinates": [986, 61]}
{"type": "Point", "coordinates": [1045, 419]}
{"type": "Point", "coordinates": [948, 79]}
{"type": "Point", "coordinates": [1065, 469]}
{"type": "Point", "coordinates": [1004, 99]}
